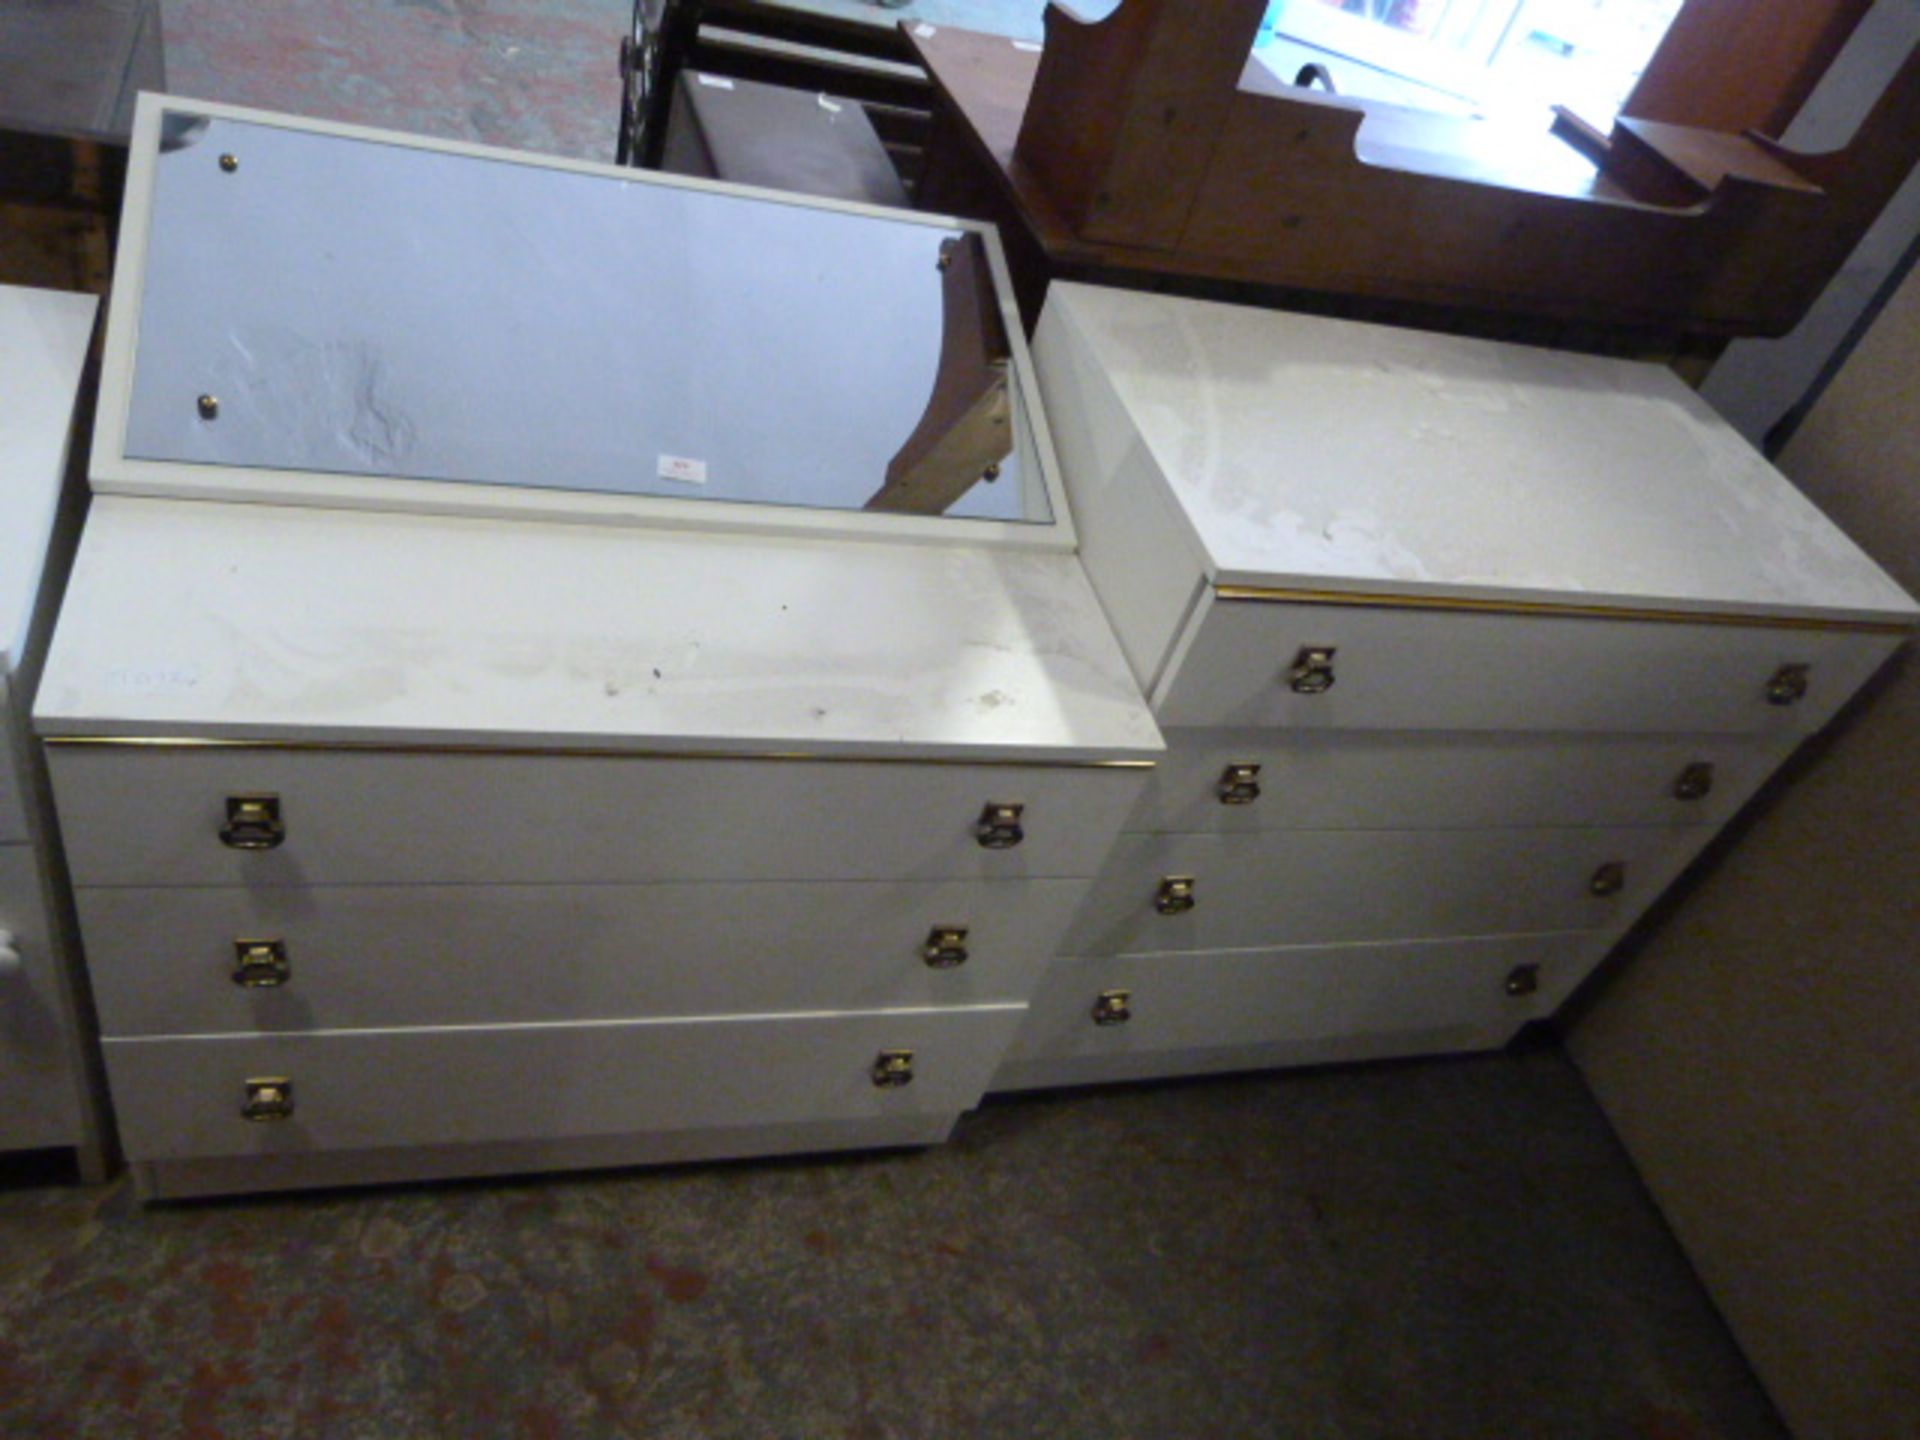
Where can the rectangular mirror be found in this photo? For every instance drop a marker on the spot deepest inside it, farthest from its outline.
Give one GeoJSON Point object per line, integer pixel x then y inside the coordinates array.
{"type": "Point", "coordinates": [322, 309]}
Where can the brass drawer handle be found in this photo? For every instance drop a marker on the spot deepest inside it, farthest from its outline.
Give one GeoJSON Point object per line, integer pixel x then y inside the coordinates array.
{"type": "Point", "coordinates": [999, 827]}
{"type": "Point", "coordinates": [261, 964]}
{"type": "Point", "coordinates": [892, 1069]}
{"type": "Point", "coordinates": [1523, 980]}
{"type": "Point", "coordinates": [1788, 685]}
{"type": "Point", "coordinates": [253, 823]}
{"type": "Point", "coordinates": [1609, 879]}
{"type": "Point", "coordinates": [1113, 1007]}
{"type": "Point", "coordinates": [1175, 896]}
{"type": "Point", "coordinates": [1312, 672]}
{"type": "Point", "coordinates": [1695, 782]}
{"type": "Point", "coordinates": [946, 947]}
{"type": "Point", "coordinates": [269, 1100]}
{"type": "Point", "coordinates": [1239, 784]}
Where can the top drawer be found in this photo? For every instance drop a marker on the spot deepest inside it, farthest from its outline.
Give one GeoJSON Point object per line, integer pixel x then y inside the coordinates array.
{"type": "Point", "coordinates": [1410, 669]}
{"type": "Point", "coordinates": [155, 815]}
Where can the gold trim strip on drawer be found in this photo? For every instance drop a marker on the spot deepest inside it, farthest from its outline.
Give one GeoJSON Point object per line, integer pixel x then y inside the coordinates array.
{"type": "Point", "coordinates": [1557, 609]}
{"type": "Point", "coordinates": [206, 742]}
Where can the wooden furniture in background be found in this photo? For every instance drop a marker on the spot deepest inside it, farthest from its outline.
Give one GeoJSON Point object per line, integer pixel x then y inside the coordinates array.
{"type": "Point", "coordinates": [844, 47]}
{"type": "Point", "coordinates": [68, 76]}
{"type": "Point", "coordinates": [1146, 144]}
{"type": "Point", "coordinates": [776, 136]}
{"type": "Point", "coordinates": [1743, 64]}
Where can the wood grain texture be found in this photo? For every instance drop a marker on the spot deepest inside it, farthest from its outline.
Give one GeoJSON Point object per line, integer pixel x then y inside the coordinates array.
{"type": "Point", "coordinates": [1742, 64]}
{"type": "Point", "coordinates": [1122, 105]}
{"type": "Point", "coordinates": [1700, 233]}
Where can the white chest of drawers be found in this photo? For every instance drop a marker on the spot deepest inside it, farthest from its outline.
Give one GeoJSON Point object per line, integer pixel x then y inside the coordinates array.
{"type": "Point", "coordinates": [44, 1102]}
{"type": "Point", "coordinates": [373, 887]}
{"type": "Point", "coordinates": [518, 704]}
{"type": "Point", "coordinates": [1461, 650]}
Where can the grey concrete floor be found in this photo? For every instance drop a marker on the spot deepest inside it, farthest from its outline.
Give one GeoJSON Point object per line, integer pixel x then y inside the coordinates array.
{"type": "Point", "coordinates": [1435, 1250]}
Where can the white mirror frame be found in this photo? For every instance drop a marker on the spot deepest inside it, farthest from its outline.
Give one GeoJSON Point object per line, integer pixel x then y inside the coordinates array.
{"type": "Point", "coordinates": [113, 472]}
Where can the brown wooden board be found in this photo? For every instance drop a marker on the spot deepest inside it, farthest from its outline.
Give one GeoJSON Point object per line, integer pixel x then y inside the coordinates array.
{"type": "Point", "coordinates": [1675, 230]}
{"type": "Point", "coordinates": [1742, 64]}
{"type": "Point", "coordinates": [967, 428]}
{"type": "Point", "coordinates": [753, 134]}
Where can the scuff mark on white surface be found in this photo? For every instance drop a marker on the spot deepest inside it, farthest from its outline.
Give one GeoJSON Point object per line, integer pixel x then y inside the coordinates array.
{"type": "Point", "coordinates": [379, 432]}
{"type": "Point", "coordinates": [335, 398]}
{"type": "Point", "coordinates": [1303, 450]}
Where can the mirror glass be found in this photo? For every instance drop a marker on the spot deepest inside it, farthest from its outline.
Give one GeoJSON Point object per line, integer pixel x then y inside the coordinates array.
{"type": "Point", "coordinates": [319, 303]}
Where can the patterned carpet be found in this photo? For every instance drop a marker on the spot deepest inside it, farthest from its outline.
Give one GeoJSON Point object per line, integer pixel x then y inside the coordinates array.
{"type": "Point", "coordinates": [533, 74]}
{"type": "Point", "coordinates": [1450, 1249]}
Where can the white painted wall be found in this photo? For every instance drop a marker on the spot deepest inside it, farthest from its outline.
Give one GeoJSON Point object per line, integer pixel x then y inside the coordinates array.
{"type": "Point", "coordinates": [1760, 1056]}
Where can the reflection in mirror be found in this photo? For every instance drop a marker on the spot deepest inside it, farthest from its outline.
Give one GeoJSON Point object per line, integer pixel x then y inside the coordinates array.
{"type": "Point", "coordinates": [318, 303]}
{"type": "Point", "coordinates": [963, 438]}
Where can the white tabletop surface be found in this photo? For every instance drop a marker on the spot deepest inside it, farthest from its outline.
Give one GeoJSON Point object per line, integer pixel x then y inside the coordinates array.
{"type": "Point", "coordinates": [205, 618]}
{"type": "Point", "coordinates": [1324, 454]}
{"type": "Point", "coordinates": [43, 346]}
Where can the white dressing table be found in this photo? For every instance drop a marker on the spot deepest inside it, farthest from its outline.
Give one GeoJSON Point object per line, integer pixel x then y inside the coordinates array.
{"type": "Point", "coordinates": [424, 828]}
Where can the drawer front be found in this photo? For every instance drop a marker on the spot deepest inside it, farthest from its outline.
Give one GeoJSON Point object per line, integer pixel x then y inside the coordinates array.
{"type": "Point", "coordinates": [178, 1098]}
{"type": "Point", "coordinates": [1312, 887]}
{"type": "Point", "coordinates": [39, 1095]}
{"type": "Point", "coordinates": [1395, 669]}
{"type": "Point", "coordinates": [164, 962]}
{"type": "Point", "coordinates": [371, 818]}
{"type": "Point", "coordinates": [1383, 779]}
{"type": "Point", "coordinates": [1425, 992]}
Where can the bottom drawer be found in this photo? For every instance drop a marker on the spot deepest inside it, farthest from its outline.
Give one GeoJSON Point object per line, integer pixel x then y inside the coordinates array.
{"type": "Point", "coordinates": [356, 1089]}
{"type": "Point", "coordinates": [1134, 1016]}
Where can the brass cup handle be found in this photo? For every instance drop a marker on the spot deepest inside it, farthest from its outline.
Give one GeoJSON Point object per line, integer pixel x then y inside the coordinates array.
{"type": "Point", "coordinates": [1695, 782]}
{"type": "Point", "coordinates": [1609, 879]}
{"type": "Point", "coordinates": [1239, 784]}
{"type": "Point", "coordinates": [946, 947]}
{"type": "Point", "coordinates": [892, 1069]}
{"type": "Point", "coordinates": [1312, 671]}
{"type": "Point", "coordinates": [253, 823]}
{"type": "Point", "coordinates": [1114, 1007]}
{"type": "Point", "coordinates": [1788, 685]}
{"type": "Point", "coordinates": [269, 1099]}
{"type": "Point", "coordinates": [261, 964]}
{"type": "Point", "coordinates": [999, 827]}
{"type": "Point", "coordinates": [1175, 896]}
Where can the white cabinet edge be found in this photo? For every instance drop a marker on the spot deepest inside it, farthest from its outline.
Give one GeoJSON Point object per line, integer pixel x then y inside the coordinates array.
{"type": "Point", "coordinates": [44, 335]}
